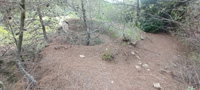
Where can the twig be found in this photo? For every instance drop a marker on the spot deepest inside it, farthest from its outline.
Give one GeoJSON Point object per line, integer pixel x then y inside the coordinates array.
{"type": "Point", "coordinates": [6, 51]}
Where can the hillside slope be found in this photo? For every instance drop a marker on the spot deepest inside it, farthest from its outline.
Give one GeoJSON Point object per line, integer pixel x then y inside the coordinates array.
{"type": "Point", "coordinates": [62, 68]}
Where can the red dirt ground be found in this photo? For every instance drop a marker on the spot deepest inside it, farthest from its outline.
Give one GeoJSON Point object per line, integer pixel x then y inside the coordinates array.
{"type": "Point", "coordinates": [63, 68]}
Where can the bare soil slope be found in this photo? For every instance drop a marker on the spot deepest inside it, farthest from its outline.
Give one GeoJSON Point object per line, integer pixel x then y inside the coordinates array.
{"type": "Point", "coordinates": [62, 68]}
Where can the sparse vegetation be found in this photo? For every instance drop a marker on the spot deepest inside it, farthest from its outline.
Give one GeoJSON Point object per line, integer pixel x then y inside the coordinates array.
{"type": "Point", "coordinates": [28, 26]}
{"type": "Point", "coordinates": [107, 56]}
{"type": "Point", "coordinates": [190, 88]}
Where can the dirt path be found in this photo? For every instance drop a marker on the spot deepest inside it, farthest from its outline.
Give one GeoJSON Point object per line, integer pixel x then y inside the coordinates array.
{"type": "Point", "coordinates": [63, 69]}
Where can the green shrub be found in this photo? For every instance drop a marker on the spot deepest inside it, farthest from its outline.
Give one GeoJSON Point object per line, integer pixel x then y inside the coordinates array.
{"type": "Point", "coordinates": [151, 25]}
{"type": "Point", "coordinates": [107, 56]}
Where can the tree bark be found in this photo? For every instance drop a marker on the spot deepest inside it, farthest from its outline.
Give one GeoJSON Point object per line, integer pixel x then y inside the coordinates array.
{"type": "Point", "coordinates": [138, 12]}
{"type": "Point", "coordinates": [19, 46]}
{"type": "Point", "coordinates": [85, 22]}
{"type": "Point", "coordinates": [43, 26]}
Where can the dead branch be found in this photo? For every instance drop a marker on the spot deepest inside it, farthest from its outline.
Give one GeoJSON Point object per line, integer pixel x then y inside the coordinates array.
{"type": "Point", "coordinates": [22, 70]}
{"type": "Point", "coordinates": [6, 51]}
{"type": "Point", "coordinates": [2, 86]}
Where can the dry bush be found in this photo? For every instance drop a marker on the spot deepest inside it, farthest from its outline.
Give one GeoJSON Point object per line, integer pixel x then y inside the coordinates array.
{"type": "Point", "coordinates": [187, 71]}
{"type": "Point", "coordinates": [191, 26]}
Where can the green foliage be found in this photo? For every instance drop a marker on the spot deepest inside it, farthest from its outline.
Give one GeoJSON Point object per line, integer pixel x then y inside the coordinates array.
{"type": "Point", "coordinates": [107, 56]}
{"type": "Point", "coordinates": [1, 62]}
{"type": "Point", "coordinates": [124, 43]}
{"type": "Point", "coordinates": [190, 88]}
{"type": "Point", "coordinates": [151, 25]}
{"type": "Point", "coordinates": [112, 32]}
{"type": "Point", "coordinates": [7, 69]}
{"type": "Point", "coordinates": [132, 33]}
{"type": "Point", "coordinates": [160, 15]}
{"type": "Point", "coordinates": [96, 41]}
{"type": "Point", "coordinates": [5, 36]}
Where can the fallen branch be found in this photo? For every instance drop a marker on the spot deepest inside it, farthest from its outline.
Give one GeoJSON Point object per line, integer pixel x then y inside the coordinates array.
{"type": "Point", "coordinates": [22, 70]}
{"type": "Point", "coordinates": [2, 86]}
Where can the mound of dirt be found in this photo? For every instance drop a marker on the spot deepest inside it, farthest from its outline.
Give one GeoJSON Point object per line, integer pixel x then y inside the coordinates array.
{"type": "Point", "coordinates": [132, 68]}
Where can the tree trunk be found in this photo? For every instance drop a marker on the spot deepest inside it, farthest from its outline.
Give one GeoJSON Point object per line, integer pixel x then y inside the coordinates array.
{"type": "Point", "coordinates": [43, 26]}
{"type": "Point", "coordinates": [85, 22]}
{"type": "Point", "coordinates": [19, 46]}
{"type": "Point", "coordinates": [138, 12]}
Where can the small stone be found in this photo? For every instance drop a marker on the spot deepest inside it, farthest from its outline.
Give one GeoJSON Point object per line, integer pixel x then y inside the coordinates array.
{"type": "Point", "coordinates": [148, 70]}
{"type": "Point", "coordinates": [106, 49]}
{"type": "Point", "coordinates": [137, 67]}
{"type": "Point", "coordinates": [145, 65]}
{"type": "Point", "coordinates": [157, 86]}
{"type": "Point", "coordinates": [138, 57]}
{"type": "Point", "coordinates": [139, 63]}
{"type": "Point", "coordinates": [112, 81]}
{"type": "Point", "coordinates": [82, 56]}
{"type": "Point", "coordinates": [133, 53]}
{"type": "Point", "coordinates": [142, 38]}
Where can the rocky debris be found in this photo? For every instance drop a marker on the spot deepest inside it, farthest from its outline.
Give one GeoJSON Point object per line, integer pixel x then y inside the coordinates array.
{"type": "Point", "coordinates": [135, 54]}
{"type": "Point", "coordinates": [140, 63]}
{"type": "Point", "coordinates": [157, 86]}
{"type": "Point", "coordinates": [62, 47]}
{"type": "Point", "coordinates": [82, 56]}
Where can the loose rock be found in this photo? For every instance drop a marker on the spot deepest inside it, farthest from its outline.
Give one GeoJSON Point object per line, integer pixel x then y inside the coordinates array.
{"type": "Point", "coordinates": [139, 63]}
{"type": "Point", "coordinates": [148, 69]}
{"type": "Point", "coordinates": [82, 56]}
{"type": "Point", "coordinates": [145, 65]}
{"type": "Point", "coordinates": [157, 86]}
{"type": "Point", "coordinates": [137, 67]}
{"type": "Point", "coordinates": [142, 38]}
{"type": "Point", "coordinates": [133, 53]}
{"type": "Point", "coordinates": [138, 57]}
{"type": "Point", "coordinates": [112, 81]}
